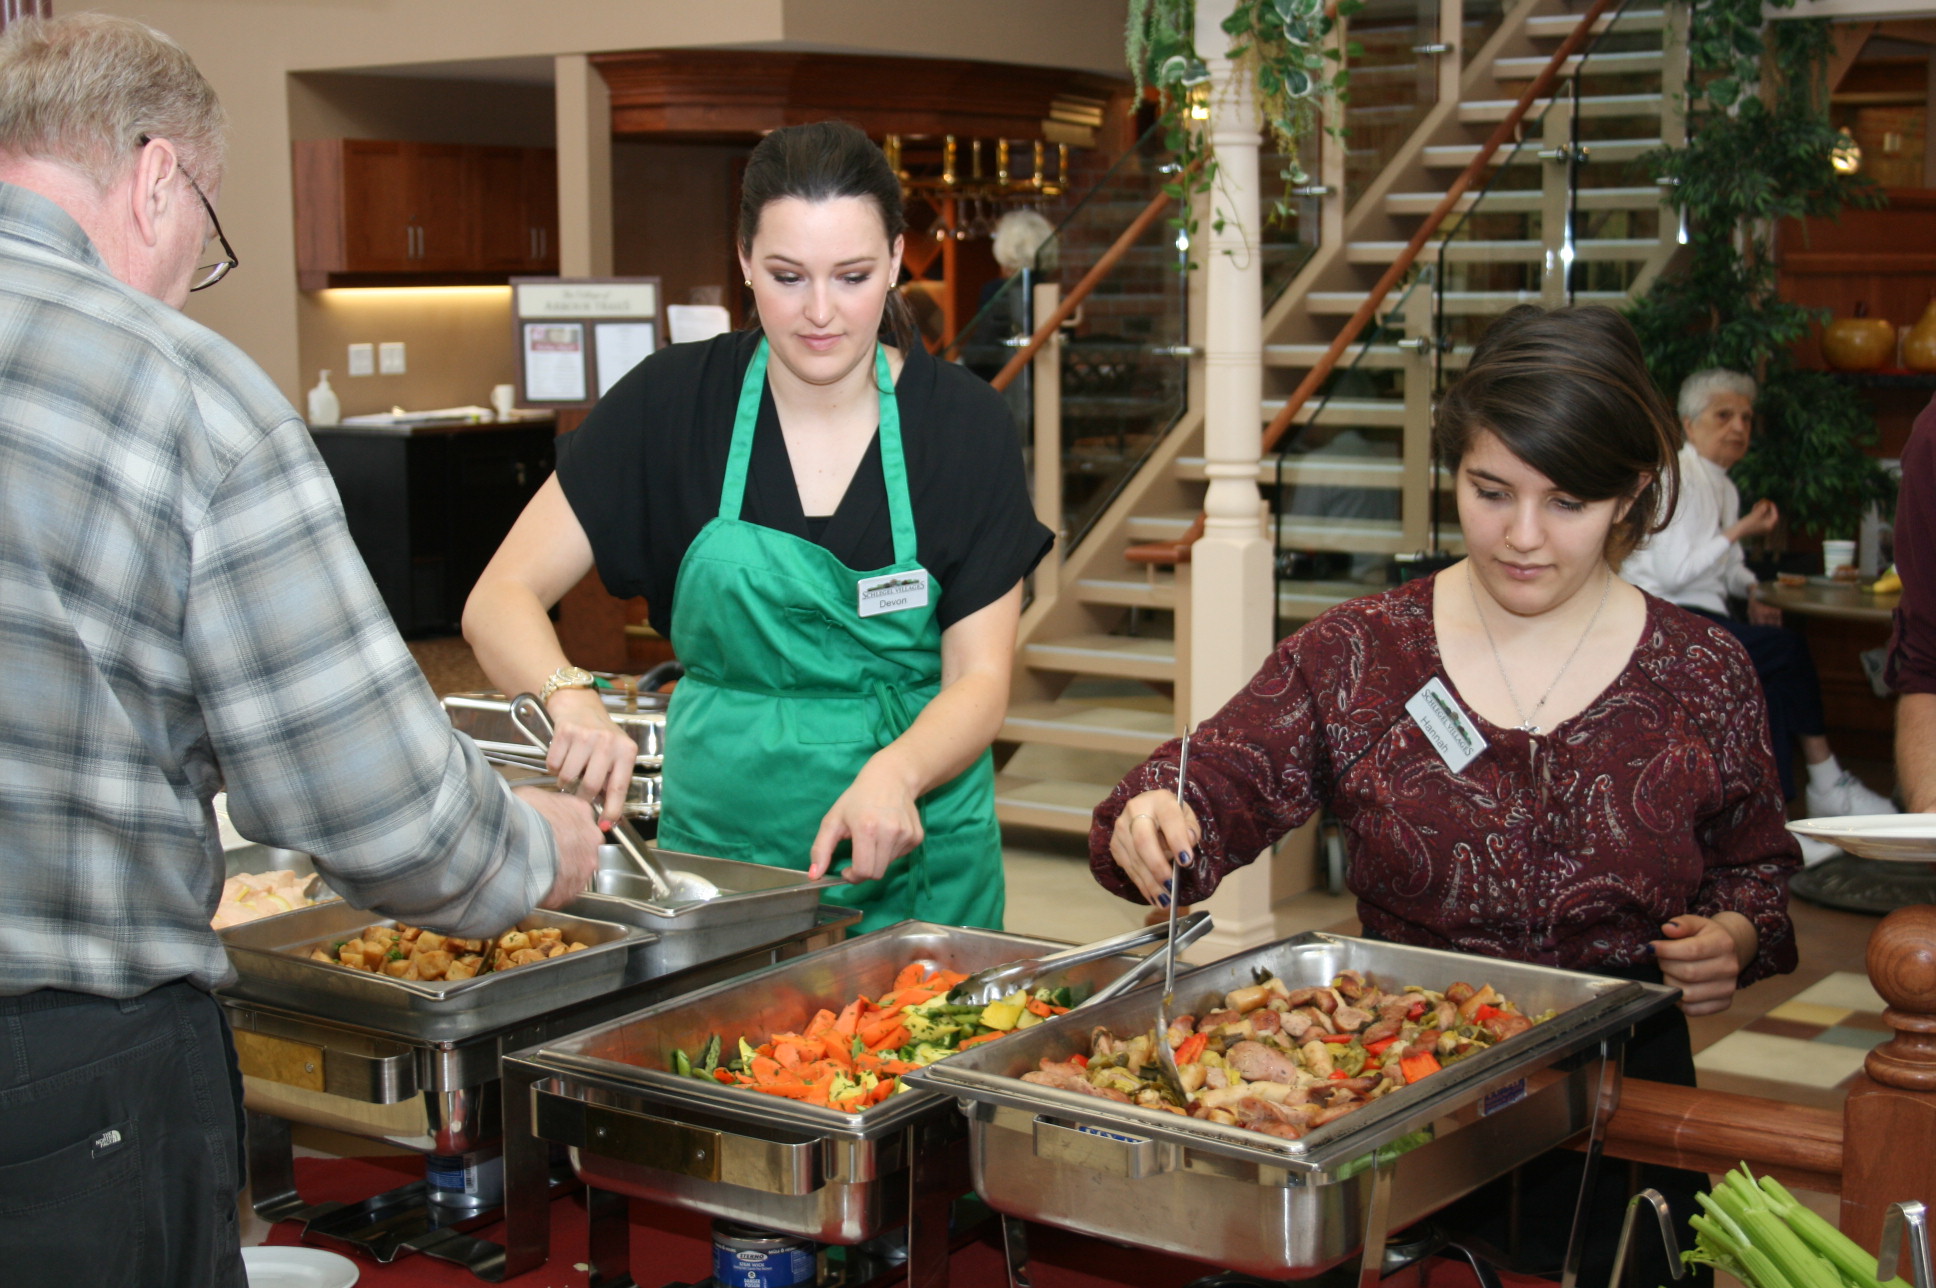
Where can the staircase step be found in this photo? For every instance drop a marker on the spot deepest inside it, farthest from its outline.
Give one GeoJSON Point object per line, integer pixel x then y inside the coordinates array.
{"type": "Point", "coordinates": [1559, 26]}
{"type": "Point", "coordinates": [1374, 357]}
{"type": "Point", "coordinates": [1607, 64]}
{"type": "Point", "coordinates": [1457, 156]}
{"type": "Point", "coordinates": [1595, 250]}
{"type": "Point", "coordinates": [1091, 726]}
{"type": "Point", "coordinates": [1350, 536]}
{"type": "Point", "coordinates": [1156, 591]}
{"type": "Point", "coordinates": [1129, 657]}
{"type": "Point", "coordinates": [1300, 601]}
{"type": "Point", "coordinates": [1491, 110]}
{"type": "Point", "coordinates": [1461, 303]}
{"type": "Point", "coordinates": [1306, 469]}
{"type": "Point", "coordinates": [1524, 200]}
{"type": "Point", "coordinates": [1058, 805]}
{"type": "Point", "coordinates": [1342, 411]}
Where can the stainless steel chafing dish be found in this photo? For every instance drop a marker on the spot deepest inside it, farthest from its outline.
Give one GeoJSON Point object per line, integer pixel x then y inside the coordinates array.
{"type": "Point", "coordinates": [362, 1054]}
{"type": "Point", "coordinates": [636, 1128]}
{"type": "Point", "coordinates": [1279, 1208]}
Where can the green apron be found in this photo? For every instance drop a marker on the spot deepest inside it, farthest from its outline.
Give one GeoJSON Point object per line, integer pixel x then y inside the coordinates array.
{"type": "Point", "coordinates": [789, 690]}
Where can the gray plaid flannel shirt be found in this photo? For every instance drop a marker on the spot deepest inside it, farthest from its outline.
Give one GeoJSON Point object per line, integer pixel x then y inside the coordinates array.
{"type": "Point", "coordinates": [181, 608]}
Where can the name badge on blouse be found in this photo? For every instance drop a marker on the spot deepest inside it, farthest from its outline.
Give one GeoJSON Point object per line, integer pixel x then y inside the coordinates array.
{"type": "Point", "coordinates": [1445, 726]}
{"type": "Point", "coordinates": [896, 592]}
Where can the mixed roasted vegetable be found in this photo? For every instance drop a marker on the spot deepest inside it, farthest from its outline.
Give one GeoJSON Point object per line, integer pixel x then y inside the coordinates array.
{"type": "Point", "coordinates": [1284, 1061]}
{"type": "Point", "coordinates": [854, 1058]}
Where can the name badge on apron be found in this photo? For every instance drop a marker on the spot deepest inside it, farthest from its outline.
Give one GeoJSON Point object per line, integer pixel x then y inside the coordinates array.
{"type": "Point", "coordinates": [895, 592]}
{"type": "Point", "coordinates": [1445, 726]}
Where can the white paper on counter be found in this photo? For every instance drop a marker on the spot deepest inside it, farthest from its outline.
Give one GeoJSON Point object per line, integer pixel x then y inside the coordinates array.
{"type": "Point", "coordinates": [554, 361]}
{"type": "Point", "coordinates": [688, 322]}
{"type": "Point", "coordinates": [619, 347]}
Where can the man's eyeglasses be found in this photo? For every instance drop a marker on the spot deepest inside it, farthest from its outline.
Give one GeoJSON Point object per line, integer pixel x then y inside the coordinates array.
{"type": "Point", "coordinates": [208, 274]}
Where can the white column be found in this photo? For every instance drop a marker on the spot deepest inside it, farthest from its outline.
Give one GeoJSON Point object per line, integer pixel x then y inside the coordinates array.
{"type": "Point", "coordinates": [1230, 585]}
{"type": "Point", "coordinates": [584, 169]}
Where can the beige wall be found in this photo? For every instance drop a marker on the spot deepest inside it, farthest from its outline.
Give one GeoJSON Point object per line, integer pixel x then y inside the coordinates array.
{"type": "Point", "coordinates": [248, 48]}
{"type": "Point", "coordinates": [457, 344]}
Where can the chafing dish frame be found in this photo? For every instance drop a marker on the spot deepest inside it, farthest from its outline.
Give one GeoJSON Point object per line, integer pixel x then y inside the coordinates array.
{"type": "Point", "coordinates": [381, 1068]}
{"type": "Point", "coordinates": [1362, 1172]}
{"type": "Point", "coordinates": [835, 1177]}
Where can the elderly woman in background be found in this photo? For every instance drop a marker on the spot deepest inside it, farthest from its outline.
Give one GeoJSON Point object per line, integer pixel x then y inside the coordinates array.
{"type": "Point", "coordinates": [1696, 562]}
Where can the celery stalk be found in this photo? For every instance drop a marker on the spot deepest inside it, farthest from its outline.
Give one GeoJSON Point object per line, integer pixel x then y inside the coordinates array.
{"type": "Point", "coordinates": [1845, 1254]}
{"type": "Point", "coordinates": [1798, 1262]}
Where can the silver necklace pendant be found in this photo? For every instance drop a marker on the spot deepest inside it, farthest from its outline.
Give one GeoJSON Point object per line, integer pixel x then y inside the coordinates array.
{"type": "Point", "coordinates": [1529, 727]}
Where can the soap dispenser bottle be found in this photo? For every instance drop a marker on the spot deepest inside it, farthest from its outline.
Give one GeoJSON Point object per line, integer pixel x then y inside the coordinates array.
{"type": "Point", "coordinates": [324, 407]}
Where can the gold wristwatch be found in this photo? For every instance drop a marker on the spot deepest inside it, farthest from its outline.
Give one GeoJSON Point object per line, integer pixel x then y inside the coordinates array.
{"type": "Point", "coordinates": [567, 677]}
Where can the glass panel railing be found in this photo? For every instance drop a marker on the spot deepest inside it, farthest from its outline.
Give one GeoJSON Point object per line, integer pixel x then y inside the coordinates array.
{"type": "Point", "coordinates": [1394, 83]}
{"type": "Point", "coordinates": [1340, 481]}
{"type": "Point", "coordinates": [1125, 357]}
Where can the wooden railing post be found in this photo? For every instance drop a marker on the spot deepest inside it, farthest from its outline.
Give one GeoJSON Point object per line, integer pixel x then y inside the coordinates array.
{"type": "Point", "coordinates": [1889, 1120]}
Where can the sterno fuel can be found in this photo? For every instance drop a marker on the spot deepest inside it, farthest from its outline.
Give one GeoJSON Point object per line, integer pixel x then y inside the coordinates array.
{"type": "Point", "coordinates": [745, 1256]}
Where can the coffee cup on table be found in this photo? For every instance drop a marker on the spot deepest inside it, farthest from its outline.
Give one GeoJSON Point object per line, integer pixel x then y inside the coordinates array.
{"type": "Point", "coordinates": [504, 399]}
{"type": "Point", "coordinates": [1837, 555]}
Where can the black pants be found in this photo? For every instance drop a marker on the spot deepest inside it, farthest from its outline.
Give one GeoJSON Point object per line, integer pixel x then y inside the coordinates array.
{"type": "Point", "coordinates": [120, 1141]}
{"type": "Point", "coordinates": [1794, 692]}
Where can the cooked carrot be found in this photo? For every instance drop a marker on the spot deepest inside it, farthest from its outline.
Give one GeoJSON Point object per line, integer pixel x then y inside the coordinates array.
{"type": "Point", "coordinates": [872, 1031]}
{"type": "Point", "coordinates": [1422, 1065]}
{"type": "Point", "coordinates": [915, 994]}
{"type": "Point", "coordinates": [823, 1021]}
{"type": "Point", "coordinates": [787, 1054]}
{"type": "Point", "coordinates": [911, 974]}
{"type": "Point", "coordinates": [849, 1017]}
{"type": "Point", "coordinates": [765, 1067]}
{"type": "Point", "coordinates": [943, 980]}
{"type": "Point", "coordinates": [893, 1040]}
{"type": "Point", "coordinates": [1192, 1047]}
{"type": "Point", "coordinates": [986, 1037]}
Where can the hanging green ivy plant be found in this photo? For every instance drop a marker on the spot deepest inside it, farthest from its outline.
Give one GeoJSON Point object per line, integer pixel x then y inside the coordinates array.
{"type": "Point", "coordinates": [1756, 155]}
{"type": "Point", "coordinates": [1286, 47]}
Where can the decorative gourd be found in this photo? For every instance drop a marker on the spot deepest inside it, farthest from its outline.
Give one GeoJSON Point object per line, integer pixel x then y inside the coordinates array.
{"type": "Point", "coordinates": [1860, 343]}
{"type": "Point", "coordinates": [1919, 346]}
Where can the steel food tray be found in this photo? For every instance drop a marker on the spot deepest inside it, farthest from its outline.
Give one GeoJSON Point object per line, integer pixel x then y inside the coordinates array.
{"type": "Point", "coordinates": [755, 903]}
{"type": "Point", "coordinates": [272, 965]}
{"type": "Point", "coordinates": [486, 718]}
{"type": "Point", "coordinates": [638, 1128]}
{"type": "Point", "coordinates": [1273, 1207]}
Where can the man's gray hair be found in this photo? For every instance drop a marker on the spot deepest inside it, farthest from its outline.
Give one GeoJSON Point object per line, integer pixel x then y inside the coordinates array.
{"type": "Point", "coordinates": [1698, 390]}
{"type": "Point", "coordinates": [1022, 241]}
{"type": "Point", "coordinates": [84, 89]}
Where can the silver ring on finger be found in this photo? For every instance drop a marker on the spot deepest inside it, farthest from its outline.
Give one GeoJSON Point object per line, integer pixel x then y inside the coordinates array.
{"type": "Point", "coordinates": [570, 786]}
{"type": "Point", "coordinates": [1134, 817]}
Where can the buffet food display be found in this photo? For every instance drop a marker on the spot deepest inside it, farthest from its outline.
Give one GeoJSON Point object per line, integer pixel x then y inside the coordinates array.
{"type": "Point", "coordinates": [413, 953]}
{"type": "Point", "coordinates": [1284, 1061]}
{"type": "Point", "coordinates": [249, 895]}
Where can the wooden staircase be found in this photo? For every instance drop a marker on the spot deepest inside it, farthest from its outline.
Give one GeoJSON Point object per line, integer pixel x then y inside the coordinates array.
{"type": "Point", "coordinates": [1099, 654]}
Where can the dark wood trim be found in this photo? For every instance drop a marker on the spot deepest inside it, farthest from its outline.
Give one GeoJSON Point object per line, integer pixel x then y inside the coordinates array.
{"type": "Point", "coordinates": [735, 94]}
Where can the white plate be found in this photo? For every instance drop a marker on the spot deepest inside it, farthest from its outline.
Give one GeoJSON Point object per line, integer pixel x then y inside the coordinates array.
{"type": "Point", "coordinates": [1904, 838]}
{"type": "Point", "coordinates": [297, 1268]}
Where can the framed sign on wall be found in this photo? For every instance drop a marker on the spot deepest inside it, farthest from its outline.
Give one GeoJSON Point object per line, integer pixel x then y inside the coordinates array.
{"type": "Point", "coordinates": [576, 336]}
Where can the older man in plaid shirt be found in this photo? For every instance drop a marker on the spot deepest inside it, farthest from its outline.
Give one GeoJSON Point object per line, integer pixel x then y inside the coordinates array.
{"type": "Point", "coordinates": [181, 609]}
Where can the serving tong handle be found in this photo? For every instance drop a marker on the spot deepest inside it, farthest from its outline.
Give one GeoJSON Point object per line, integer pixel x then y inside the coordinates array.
{"type": "Point", "coordinates": [534, 722]}
{"type": "Point", "coordinates": [996, 982]}
{"type": "Point", "coordinates": [1165, 1057]}
{"type": "Point", "coordinates": [1906, 1223]}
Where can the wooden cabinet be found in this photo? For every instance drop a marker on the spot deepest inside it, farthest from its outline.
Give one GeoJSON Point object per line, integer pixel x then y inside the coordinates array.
{"type": "Point", "coordinates": [374, 211]}
{"type": "Point", "coordinates": [428, 508]}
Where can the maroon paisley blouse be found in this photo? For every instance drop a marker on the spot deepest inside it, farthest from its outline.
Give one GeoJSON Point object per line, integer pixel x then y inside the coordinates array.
{"type": "Point", "coordinates": [1567, 848]}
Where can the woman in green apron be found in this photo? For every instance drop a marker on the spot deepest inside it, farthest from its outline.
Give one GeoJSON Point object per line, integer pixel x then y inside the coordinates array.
{"type": "Point", "coordinates": [831, 530]}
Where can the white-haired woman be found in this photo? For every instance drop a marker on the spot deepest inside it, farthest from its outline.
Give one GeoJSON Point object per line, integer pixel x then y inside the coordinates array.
{"type": "Point", "coordinates": [1696, 562]}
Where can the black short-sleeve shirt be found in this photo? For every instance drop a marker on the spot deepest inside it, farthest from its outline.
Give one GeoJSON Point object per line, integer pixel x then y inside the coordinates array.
{"type": "Point", "coordinates": [643, 475]}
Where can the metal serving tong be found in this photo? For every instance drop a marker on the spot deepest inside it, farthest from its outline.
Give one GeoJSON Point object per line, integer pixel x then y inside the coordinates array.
{"type": "Point", "coordinates": [997, 982]}
{"type": "Point", "coordinates": [529, 715]}
{"type": "Point", "coordinates": [1905, 1223]}
{"type": "Point", "coordinates": [1165, 1057]}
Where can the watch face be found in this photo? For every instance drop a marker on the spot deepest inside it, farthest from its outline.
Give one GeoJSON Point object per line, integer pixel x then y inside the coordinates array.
{"type": "Point", "coordinates": [576, 676]}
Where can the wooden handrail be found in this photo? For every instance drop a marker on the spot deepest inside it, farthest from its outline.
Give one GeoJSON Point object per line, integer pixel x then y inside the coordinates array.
{"type": "Point", "coordinates": [1090, 280]}
{"type": "Point", "coordinates": [1712, 1131]}
{"type": "Point", "coordinates": [1158, 552]}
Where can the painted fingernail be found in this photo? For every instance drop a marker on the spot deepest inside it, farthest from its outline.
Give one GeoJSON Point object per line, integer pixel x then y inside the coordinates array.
{"type": "Point", "coordinates": [1183, 859]}
{"type": "Point", "coordinates": [1646, 950]}
{"type": "Point", "coordinates": [1162, 901]}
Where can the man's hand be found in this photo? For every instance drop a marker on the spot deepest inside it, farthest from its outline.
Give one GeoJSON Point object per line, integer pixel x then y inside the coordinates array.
{"type": "Point", "coordinates": [576, 828]}
{"type": "Point", "coordinates": [1757, 522]}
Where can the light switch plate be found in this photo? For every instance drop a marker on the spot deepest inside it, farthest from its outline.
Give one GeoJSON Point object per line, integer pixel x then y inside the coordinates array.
{"type": "Point", "coordinates": [362, 360]}
{"type": "Point", "coordinates": [389, 358]}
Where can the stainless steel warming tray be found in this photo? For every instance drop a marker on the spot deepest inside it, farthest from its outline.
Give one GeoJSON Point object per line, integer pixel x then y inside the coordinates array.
{"type": "Point", "coordinates": [756, 903]}
{"type": "Point", "coordinates": [486, 718]}
{"type": "Point", "coordinates": [272, 965]}
{"type": "Point", "coordinates": [1278, 1208]}
{"type": "Point", "coordinates": [637, 1128]}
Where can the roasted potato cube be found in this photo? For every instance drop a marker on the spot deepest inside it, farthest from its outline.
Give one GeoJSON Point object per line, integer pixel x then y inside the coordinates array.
{"type": "Point", "coordinates": [462, 968]}
{"type": "Point", "coordinates": [433, 964]}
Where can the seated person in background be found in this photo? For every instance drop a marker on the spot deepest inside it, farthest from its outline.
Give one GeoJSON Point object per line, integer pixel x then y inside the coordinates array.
{"type": "Point", "coordinates": [1696, 562]}
{"type": "Point", "coordinates": [1912, 646]}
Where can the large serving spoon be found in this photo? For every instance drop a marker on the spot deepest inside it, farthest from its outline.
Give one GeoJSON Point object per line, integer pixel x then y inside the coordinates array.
{"type": "Point", "coordinates": [1165, 1057]}
{"type": "Point", "coordinates": [534, 722]}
